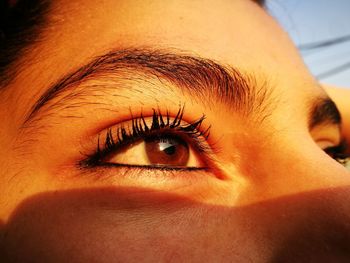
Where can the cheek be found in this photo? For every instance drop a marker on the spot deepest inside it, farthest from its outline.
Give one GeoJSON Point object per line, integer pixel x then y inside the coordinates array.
{"type": "Point", "coordinates": [97, 226]}
{"type": "Point", "coordinates": [115, 226]}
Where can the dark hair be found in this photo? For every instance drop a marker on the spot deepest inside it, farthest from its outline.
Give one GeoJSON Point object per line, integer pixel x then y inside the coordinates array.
{"type": "Point", "coordinates": [20, 23]}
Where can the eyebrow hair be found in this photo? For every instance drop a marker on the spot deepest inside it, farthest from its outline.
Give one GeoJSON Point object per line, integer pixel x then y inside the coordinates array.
{"type": "Point", "coordinates": [201, 77]}
{"type": "Point", "coordinates": [322, 112]}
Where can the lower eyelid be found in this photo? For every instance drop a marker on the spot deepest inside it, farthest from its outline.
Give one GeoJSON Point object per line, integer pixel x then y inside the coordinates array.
{"type": "Point", "coordinates": [155, 167]}
{"type": "Point", "coordinates": [147, 176]}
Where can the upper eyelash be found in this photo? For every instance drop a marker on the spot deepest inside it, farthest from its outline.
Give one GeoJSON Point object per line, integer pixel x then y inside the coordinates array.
{"type": "Point", "coordinates": [338, 151]}
{"type": "Point", "coordinates": [140, 129]}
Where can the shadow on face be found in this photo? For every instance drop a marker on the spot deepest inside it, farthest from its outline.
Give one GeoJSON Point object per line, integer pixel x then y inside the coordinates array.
{"type": "Point", "coordinates": [134, 224]}
{"type": "Point", "coordinates": [2, 239]}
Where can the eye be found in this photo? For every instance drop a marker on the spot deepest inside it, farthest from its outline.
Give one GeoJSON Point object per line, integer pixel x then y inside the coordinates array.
{"type": "Point", "coordinates": [328, 138]}
{"type": "Point", "coordinates": [160, 142]}
{"type": "Point", "coordinates": [338, 153]}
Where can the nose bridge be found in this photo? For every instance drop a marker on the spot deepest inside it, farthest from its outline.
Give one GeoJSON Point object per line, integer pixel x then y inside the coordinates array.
{"type": "Point", "coordinates": [292, 168]}
{"type": "Point", "coordinates": [302, 197]}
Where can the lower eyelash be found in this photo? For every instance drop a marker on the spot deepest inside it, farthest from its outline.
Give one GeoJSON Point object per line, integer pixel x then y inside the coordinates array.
{"type": "Point", "coordinates": [155, 167]}
{"type": "Point", "coordinates": [344, 161]}
{"type": "Point", "coordinates": [161, 174]}
{"type": "Point", "coordinates": [140, 130]}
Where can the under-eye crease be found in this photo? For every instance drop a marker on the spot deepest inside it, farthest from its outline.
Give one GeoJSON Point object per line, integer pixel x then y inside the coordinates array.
{"type": "Point", "coordinates": [163, 129]}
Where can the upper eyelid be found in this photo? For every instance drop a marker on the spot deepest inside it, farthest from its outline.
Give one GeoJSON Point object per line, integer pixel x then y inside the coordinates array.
{"type": "Point", "coordinates": [172, 122]}
{"type": "Point", "coordinates": [146, 113]}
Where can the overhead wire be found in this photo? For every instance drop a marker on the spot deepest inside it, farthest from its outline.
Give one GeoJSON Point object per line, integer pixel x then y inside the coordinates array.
{"type": "Point", "coordinates": [318, 46]}
{"type": "Point", "coordinates": [324, 43]}
{"type": "Point", "coordinates": [334, 71]}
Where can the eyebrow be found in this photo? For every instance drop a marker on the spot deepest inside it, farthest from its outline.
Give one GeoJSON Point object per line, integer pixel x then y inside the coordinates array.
{"type": "Point", "coordinates": [203, 78]}
{"type": "Point", "coordinates": [323, 111]}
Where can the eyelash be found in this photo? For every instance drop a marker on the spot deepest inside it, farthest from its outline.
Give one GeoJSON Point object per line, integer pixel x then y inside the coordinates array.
{"type": "Point", "coordinates": [122, 137]}
{"type": "Point", "coordinates": [338, 152]}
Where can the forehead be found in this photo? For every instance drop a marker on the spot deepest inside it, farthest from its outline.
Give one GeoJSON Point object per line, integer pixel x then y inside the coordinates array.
{"type": "Point", "coordinates": [224, 30]}
{"type": "Point", "coordinates": [231, 31]}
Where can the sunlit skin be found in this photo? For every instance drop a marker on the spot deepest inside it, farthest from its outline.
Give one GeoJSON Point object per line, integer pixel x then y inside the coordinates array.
{"type": "Point", "coordinates": [269, 192]}
{"type": "Point", "coordinates": [341, 97]}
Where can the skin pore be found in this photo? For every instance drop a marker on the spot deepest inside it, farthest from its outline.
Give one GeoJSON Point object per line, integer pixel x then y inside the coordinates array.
{"type": "Point", "coordinates": [261, 187]}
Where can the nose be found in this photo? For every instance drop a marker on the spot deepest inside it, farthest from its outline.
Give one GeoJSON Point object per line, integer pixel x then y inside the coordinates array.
{"type": "Point", "coordinates": [315, 227]}
{"type": "Point", "coordinates": [292, 166]}
{"type": "Point", "coordinates": [310, 215]}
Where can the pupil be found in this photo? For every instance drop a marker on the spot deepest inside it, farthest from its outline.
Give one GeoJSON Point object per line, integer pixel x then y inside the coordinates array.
{"type": "Point", "coordinates": [170, 150]}
{"type": "Point", "coordinates": [167, 151]}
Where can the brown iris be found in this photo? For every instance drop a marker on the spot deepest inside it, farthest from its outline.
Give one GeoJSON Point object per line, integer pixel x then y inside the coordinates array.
{"type": "Point", "coordinates": [167, 151]}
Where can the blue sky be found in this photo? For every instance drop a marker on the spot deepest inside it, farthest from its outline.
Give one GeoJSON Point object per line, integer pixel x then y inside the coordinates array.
{"type": "Point", "coordinates": [316, 20]}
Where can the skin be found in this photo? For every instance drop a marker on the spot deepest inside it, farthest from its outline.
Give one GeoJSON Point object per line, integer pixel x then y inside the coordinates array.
{"type": "Point", "coordinates": [272, 194]}
{"type": "Point", "coordinates": [341, 96]}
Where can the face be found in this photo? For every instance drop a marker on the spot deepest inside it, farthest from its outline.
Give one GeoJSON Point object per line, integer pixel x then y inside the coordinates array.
{"type": "Point", "coordinates": [169, 131]}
